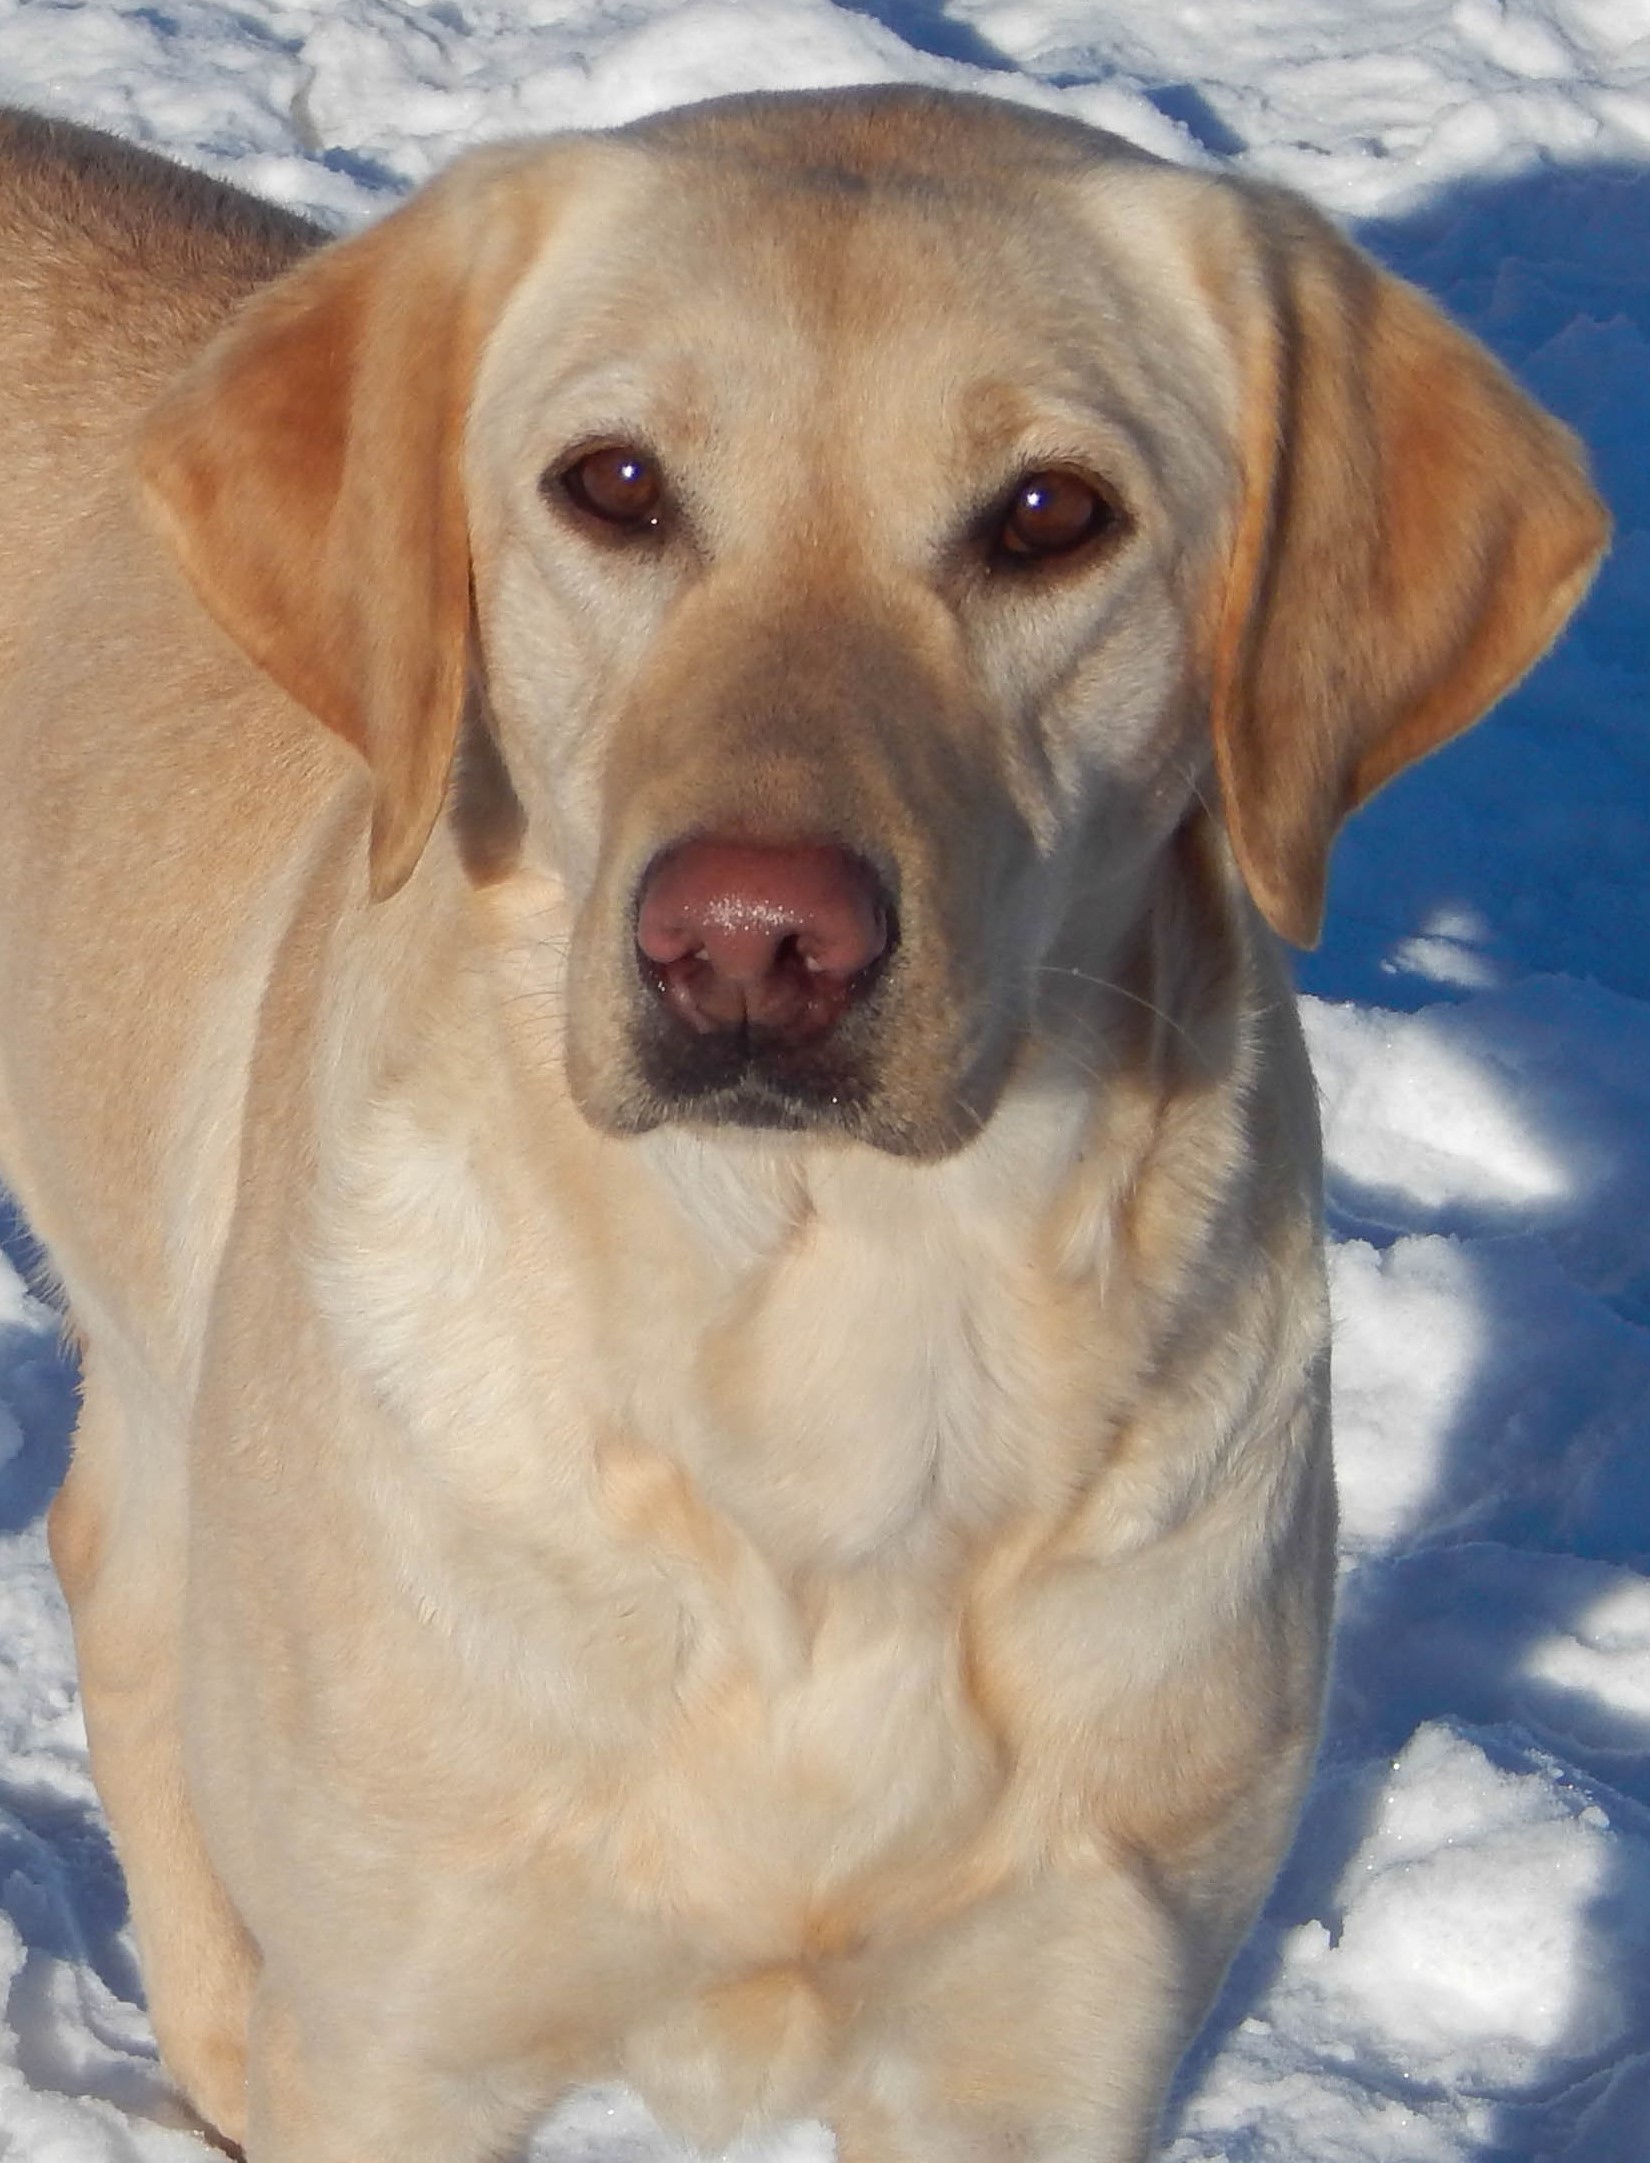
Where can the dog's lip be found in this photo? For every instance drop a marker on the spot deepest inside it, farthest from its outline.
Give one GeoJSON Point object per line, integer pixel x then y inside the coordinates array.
{"type": "Point", "coordinates": [754, 1101]}
{"type": "Point", "coordinates": [750, 1066]}
{"type": "Point", "coordinates": [845, 1088]}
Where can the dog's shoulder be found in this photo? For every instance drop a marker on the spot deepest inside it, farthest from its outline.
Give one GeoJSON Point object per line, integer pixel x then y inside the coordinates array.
{"type": "Point", "coordinates": [87, 195]}
{"type": "Point", "coordinates": [116, 267]}
{"type": "Point", "coordinates": [117, 264]}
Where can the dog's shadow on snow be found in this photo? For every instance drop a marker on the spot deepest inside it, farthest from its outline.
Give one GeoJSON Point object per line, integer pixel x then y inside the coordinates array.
{"type": "Point", "coordinates": [62, 1899]}
{"type": "Point", "coordinates": [39, 1388]}
{"type": "Point", "coordinates": [1518, 851]}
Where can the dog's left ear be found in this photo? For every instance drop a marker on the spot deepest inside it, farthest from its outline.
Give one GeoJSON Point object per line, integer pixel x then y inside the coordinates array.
{"type": "Point", "coordinates": [1414, 534]}
{"type": "Point", "coordinates": [307, 471]}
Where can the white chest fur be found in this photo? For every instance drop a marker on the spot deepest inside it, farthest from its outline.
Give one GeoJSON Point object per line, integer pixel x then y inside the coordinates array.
{"type": "Point", "coordinates": [704, 1415]}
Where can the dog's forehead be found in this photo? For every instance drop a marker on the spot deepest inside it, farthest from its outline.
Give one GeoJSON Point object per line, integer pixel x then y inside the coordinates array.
{"type": "Point", "coordinates": [891, 246]}
{"type": "Point", "coordinates": [885, 137]}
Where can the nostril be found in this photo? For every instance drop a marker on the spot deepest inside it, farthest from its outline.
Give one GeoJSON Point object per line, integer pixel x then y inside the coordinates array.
{"type": "Point", "coordinates": [777, 936]}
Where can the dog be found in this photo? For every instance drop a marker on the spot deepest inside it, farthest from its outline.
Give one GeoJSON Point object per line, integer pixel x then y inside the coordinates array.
{"type": "Point", "coordinates": [651, 811]}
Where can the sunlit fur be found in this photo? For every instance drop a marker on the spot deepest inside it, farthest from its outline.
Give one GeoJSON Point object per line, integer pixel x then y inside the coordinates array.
{"type": "Point", "coordinates": [825, 1620]}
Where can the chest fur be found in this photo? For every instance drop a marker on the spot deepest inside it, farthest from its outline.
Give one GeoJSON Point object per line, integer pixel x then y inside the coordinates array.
{"type": "Point", "coordinates": [710, 1451]}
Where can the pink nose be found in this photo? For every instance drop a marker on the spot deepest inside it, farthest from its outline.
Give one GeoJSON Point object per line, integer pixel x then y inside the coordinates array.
{"type": "Point", "coordinates": [777, 937]}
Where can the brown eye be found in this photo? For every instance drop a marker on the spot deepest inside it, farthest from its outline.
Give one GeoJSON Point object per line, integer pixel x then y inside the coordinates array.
{"type": "Point", "coordinates": [1053, 513]}
{"type": "Point", "coordinates": [619, 485]}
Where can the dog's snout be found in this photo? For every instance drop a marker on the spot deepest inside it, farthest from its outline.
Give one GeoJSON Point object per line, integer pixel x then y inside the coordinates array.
{"type": "Point", "coordinates": [778, 938]}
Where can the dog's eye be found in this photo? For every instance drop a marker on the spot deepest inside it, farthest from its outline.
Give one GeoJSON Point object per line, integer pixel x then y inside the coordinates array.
{"type": "Point", "coordinates": [617, 484]}
{"type": "Point", "coordinates": [1054, 514]}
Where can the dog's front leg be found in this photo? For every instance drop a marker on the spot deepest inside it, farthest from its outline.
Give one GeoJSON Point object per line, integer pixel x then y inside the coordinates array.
{"type": "Point", "coordinates": [324, 2087]}
{"type": "Point", "coordinates": [1040, 2027]}
{"type": "Point", "coordinates": [117, 1541]}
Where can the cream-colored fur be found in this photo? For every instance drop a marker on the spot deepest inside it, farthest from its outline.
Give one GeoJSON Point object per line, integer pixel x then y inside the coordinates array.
{"type": "Point", "coordinates": [825, 1619]}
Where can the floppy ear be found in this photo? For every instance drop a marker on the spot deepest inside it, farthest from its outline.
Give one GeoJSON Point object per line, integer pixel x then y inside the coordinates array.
{"type": "Point", "coordinates": [1415, 532]}
{"type": "Point", "coordinates": [307, 471]}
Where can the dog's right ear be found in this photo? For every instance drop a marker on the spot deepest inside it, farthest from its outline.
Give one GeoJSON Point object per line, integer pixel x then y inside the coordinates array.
{"type": "Point", "coordinates": [1415, 532]}
{"type": "Point", "coordinates": [308, 473]}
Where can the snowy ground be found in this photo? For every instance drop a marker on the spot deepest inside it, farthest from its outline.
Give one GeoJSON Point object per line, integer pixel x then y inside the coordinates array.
{"type": "Point", "coordinates": [1457, 1962]}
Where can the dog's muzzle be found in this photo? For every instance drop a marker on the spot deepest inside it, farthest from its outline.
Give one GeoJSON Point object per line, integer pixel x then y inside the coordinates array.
{"type": "Point", "coordinates": [759, 959]}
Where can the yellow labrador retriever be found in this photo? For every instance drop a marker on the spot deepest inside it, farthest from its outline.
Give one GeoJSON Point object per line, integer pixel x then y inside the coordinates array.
{"type": "Point", "coordinates": [645, 811]}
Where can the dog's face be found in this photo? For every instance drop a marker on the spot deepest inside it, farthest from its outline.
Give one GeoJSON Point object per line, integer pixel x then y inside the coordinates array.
{"type": "Point", "coordinates": [886, 517]}
{"type": "Point", "coordinates": [839, 551]}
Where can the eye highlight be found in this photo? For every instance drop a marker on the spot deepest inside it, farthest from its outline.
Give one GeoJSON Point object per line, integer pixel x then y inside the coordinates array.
{"type": "Point", "coordinates": [616, 484]}
{"type": "Point", "coordinates": [1053, 513]}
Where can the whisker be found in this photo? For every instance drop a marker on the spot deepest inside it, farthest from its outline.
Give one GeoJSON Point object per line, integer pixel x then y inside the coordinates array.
{"type": "Point", "coordinates": [1104, 983]}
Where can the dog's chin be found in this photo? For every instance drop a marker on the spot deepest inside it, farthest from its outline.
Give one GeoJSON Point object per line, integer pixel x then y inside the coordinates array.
{"type": "Point", "coordinates": [834, 1093]}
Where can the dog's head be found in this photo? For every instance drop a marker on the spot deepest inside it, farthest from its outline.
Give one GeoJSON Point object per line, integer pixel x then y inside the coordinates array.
{"type": "Point", "coordinates": [878, 521]}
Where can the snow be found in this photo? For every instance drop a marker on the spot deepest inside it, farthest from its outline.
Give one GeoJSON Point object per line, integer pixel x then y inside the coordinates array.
{"type": "Point", "coordinates": [1456, 1964]}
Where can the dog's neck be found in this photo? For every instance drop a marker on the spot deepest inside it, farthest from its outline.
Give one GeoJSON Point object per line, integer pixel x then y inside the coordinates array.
{"type": "Point", "coordinates": [844, 1356]}
{"type": "Point", "coordinates": [896, 1402]}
